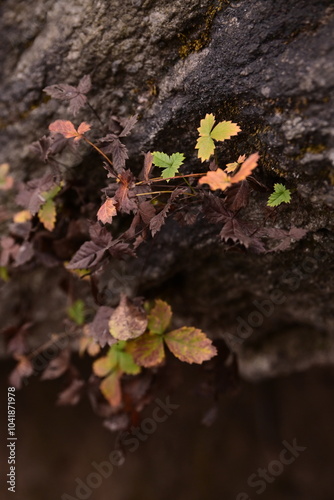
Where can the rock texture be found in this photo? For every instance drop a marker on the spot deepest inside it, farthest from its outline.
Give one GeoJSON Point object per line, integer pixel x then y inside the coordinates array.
{"type": "Point", "coordinates": [267, 65]}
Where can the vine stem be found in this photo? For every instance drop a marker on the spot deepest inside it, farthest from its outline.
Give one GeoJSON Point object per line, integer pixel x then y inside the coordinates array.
{"type": "Point", "coordinates": [101, 153]}
{"type": "Point", "coordinates": [162, 192]}
{"type": "Point", "coordinates": [94, 111]}
{"type": "Point", "coordinates": [156, 179]}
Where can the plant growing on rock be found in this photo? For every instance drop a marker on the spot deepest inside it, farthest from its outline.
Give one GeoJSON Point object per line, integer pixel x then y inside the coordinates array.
{"type": "Point", "coordinates": [128, 341]}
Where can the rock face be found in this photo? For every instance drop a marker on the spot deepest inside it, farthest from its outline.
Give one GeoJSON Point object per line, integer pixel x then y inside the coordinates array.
{"type": "Point", "coordinates": [266, 65]}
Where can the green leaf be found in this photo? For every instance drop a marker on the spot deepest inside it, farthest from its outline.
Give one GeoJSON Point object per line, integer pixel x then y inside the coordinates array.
{"type": "Point", "coordinates": [280, 195]}
{"type": "Point", "coordinates": [159, 317]}
{"type": "Point", "coordinates": [127, 364]}
{"type": "Point", "coordinates": [170, 164]}
{"type": "Point", "coordinates": [76, 312]}
{"type": "Point", "coordinates": [190, 345]}
{"type": "Point", "coordinates": [147, 350]}
{"type": "Point", "coordinates": [222, 131]}
{"type": "Point", "coordinates": [116, 359]}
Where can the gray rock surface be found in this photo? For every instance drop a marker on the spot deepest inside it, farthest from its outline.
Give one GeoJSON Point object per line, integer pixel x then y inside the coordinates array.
{"type": "Point", "coordinates": [266, 64]}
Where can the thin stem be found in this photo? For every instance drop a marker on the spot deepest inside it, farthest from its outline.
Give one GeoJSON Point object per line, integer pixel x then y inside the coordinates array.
{"type": "Point", "coordinates": [154, 192]}
{"type": "Point", "coordinates": [101, 153]}
{"type": "Point", "coordinates": [162, 192]}
{"type": "Point", "coordinates": [94, 111]}
{"type": "Point", "coordinates": [156, 179]}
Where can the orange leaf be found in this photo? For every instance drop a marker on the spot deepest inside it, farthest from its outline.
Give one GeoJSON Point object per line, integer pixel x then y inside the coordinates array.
{"type": "Point", "coordinates": [246, 168]}
{"type": "Point", "coordinates": [216, 179]}
{"type": "Point", "coordinates": [67, 129]}
{"type": "Point", "coordinates": [107, 211]}
{"type": "Point", "coordinates": [83, 127]}
{"type": "Point", "coordinates": [111, 389]}
{"type": "Point", "coordinates": [147, 350]}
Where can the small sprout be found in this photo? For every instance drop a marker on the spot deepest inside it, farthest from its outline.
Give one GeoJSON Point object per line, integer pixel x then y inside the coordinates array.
{"type": "Point", "coordinates": [170, 164]}
{"type": "Point", "coordinates": [280, 195]}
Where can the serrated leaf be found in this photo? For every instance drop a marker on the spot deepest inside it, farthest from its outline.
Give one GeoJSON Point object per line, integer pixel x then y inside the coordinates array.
{"type": "Point", "coordinates": [217, 179]}
{"type": "Point", "coordinates": [170, 164]}
{"type": "Point", "coordinates": [127, 321]}
{"type": "Point", "coordinates": [76, 312]}
{"type": "Point", "coordinates": [280, 195]}
{"type": "Point", "coordinates": [221, 132]}
{"type": "Point", "coordinates": [206, 147]}
{"type": "Point", "coordinates": [206, 124]}
{"type": "Point", "coordinates": [190, 345]}
{"type": "Point", "coordinates": [159, 317]}
{"type": "Point", "coordinates": [111, 389]}
{"type": "Point", "coordinates": [225, 130]}
{"type": "Point", "coordinates": [107, 211]}
{"type": "Point", "coordinates": [67, 129]}
{"type": "Point", "coordinates": [246, 168]}
{"type": "Point", "coordinates": [47, 214]}
{"type": "Point", "coordinates": [147, 350]}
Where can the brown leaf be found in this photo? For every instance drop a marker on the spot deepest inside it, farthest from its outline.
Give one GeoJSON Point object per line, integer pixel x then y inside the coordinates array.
{"type": "Point", "coordinates": [99, 327]}
{"type": "Point", "coordinates": [127, 321]}
{"type": "Point", "coordinates": [147, 350]}
{"type": "Point", "coordinates": [148, 164]}
{"type": "Point", "coordinates": [237, 196]}
{"type": "Point", "coordinates": [57, 366]}
{"type": "Point", "coordinates": [107, 211]}
{"type": "Point", "coordinates": [159, 317]}
{"type": "Point", "coordinates": [190, 345]}
{"type": "Point", "coordinates": [89, 255]}
{"type": "Point", "coordinates": [72, 394]}
{"type": "Point", "coordinates": [158, 220]}
{"type": "Point", "coordinates": [124, 195]}
{"type": "Point", "coordinates": [23, 369]}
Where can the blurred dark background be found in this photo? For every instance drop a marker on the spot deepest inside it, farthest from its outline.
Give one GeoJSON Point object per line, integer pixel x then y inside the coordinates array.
{"type": "Point", "coordinates": [183, 459]}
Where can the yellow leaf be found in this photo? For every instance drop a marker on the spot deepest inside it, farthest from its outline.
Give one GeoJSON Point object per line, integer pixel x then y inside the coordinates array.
{"type": "Point", "coordinates": [47, 214]}
{"type": "Point", "coordinates": [225, 130]}
{"type": "Point", "coordinates": [206, 125]}
{"type": "Point", "coordinates": [222, 131]}
{"type": "Point", "coordinates": [22, 216]}
{"type": "Point", "coordinates": [206, 147]}
{"type": "Point", "coordinates": [6, 181]}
